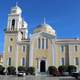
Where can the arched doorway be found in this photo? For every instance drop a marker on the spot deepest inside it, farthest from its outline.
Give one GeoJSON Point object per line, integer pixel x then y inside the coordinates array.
{"type": "Point", "coordinates": [42, 66]}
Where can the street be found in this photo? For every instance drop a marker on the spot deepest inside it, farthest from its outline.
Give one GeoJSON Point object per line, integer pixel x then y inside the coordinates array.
{"type": "Point", "coordinates": [2, 77]}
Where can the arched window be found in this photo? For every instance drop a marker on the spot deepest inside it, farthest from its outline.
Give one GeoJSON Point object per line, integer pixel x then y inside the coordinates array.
{"type": "Point", "coordinates": [23, 61]}
{"type": "Point", "coordinates": [24, 48]}
{"type": "Point", "coordinates": [62, 60]}
{"type": "Point", "coordinates": [77, 61]}
{"type": "Point", "coordinates": [10, 48]}
{"type": "Point", "coordinates": [46, 43]}
{"type": "Point", "coordinates": [9, 61]}
{"type": "Point", "coordinates": [76, 48]}
{"type": "Point", "coordinates": [13, 24]}
{"type": "Point", "coordinates": [39, 42]}
{"type": "Point", "coordinates": [62, 48]}
{"type": "Point", "coordinates": [42, 43]}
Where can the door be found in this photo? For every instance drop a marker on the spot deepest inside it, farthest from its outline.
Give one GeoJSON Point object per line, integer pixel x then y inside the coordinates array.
{"type": "Point", "coordinates": [42, 66]}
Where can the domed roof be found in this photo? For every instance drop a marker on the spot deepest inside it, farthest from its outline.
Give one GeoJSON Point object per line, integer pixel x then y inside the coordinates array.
{"type": "Point", "coordinates": [45, 28]}
{"type": "Point", "coordinates": [16, 10]}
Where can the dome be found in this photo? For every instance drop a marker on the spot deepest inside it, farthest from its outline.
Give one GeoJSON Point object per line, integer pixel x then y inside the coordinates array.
{"type": "Point", "coordinates": [44, 28]}
{"type": "Point", "coordinates": [16, 10]}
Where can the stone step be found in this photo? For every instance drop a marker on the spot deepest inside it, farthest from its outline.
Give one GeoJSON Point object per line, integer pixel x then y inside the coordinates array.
{"type": "Point", "coordinates": [42, 74]}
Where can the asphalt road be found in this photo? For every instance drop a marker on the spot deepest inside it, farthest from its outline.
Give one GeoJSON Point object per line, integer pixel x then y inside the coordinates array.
{"type": "Point", "coordinates": [35, 78]}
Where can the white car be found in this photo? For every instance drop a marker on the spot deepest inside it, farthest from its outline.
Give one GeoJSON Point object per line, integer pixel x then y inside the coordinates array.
{"type": "Point", "coordinates": [21, 74]}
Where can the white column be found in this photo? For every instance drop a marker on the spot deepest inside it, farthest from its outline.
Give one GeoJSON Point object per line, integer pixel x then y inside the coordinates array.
{"type": "Point", "coordinates": [53, 53]}
{"type": "Point", "coordinates": [46, 65]}
{"type": "Point", "coordinates": [16, 56]}
{"type": "Point", "coordinates": [39, 65]}
{"type": "Point", "coordinates": [10, 24]}
{"type": "Point", "coordinates": [15, 23]}
{"type": "Point", "coordinates": [41, 43]}
{"type": "Point", "coordinates": [31, 54]}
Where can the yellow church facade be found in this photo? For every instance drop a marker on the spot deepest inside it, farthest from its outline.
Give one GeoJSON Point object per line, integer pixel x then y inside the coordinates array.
{"type": "Point", "coordinates": [41, 50]}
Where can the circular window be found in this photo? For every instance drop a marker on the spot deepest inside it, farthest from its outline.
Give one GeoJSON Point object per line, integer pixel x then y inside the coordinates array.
{"type": "Point", "coordinates": [11, 39]}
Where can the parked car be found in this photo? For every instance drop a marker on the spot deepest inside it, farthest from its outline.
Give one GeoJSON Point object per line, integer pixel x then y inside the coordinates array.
{"type": "Point", "coordinates": [65, 74]}
{"type": "Point", "coordinates": [76, 75]}
{"type": "Point", "coordinates": [21, 73]}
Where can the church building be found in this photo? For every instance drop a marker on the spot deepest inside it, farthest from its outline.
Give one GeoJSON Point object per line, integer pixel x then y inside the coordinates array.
{"type": "Point", "coordinates": [41, 50]}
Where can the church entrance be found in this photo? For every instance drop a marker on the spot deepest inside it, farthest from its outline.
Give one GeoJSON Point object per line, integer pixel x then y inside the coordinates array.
{"type": "Point", "coordinates": [42, 66]}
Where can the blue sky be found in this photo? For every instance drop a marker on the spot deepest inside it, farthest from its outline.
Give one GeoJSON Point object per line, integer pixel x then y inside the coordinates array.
{"type": "Point", "coordinates": [62, 15]}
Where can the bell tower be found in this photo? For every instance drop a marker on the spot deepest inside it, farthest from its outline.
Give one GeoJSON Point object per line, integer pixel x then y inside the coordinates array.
{"type": "Point", "coordinates": [15, 31]}
{"type": "Point", "coordinates": [14, 19]}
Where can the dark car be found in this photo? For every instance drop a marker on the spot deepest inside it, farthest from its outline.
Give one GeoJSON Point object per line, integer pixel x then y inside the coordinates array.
{"type": "Point", "coordinates": [76, 75]}
{"type": "Point", "coordinates": [65, 74]}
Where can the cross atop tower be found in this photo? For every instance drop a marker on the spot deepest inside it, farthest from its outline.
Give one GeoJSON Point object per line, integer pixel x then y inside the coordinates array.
{"type": "Point", "coordinates": [16, 3]}
{"type": "Point", "coordinates": [44, 20]}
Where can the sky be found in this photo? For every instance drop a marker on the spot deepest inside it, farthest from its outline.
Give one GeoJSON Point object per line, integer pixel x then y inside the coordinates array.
{"type": "Point", "coordinates": [62, 15]}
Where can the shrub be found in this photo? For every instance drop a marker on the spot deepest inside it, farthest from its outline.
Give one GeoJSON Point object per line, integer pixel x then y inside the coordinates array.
{"type": "Point", "coordinates": [52, 70]}
{"type": "Point", "coordinates": [2, 69]}
{"type": "Point", "coordinates": [31, 70]}
{"type": "Point", "coordinates": [71, 68]}
{"type": "Point", "coordinates": [62, 69]}
{"type": "Point", "coordinates": [21, 69]}
{"type": "Point", "coordinates": [11, 70]}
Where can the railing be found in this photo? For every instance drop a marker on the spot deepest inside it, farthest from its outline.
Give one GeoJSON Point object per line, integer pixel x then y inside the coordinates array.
{"type": "Point", "coordinates": [10, 29]}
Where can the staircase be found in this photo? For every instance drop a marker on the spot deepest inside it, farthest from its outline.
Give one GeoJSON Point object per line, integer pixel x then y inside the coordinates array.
{"type": "Point", "coordinates": [41, 74]}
